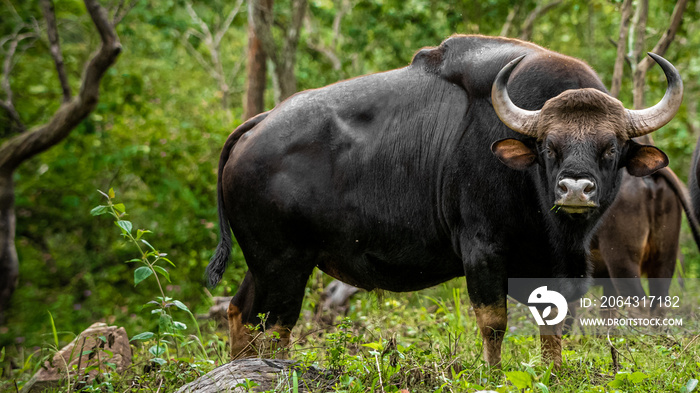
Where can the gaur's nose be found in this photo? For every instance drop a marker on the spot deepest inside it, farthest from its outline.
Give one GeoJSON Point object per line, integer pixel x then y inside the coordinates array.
{"type": "Point", "coordinates": [575, 192]}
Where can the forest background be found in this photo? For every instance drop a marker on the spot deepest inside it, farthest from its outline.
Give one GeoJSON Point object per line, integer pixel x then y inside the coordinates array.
{"type": "Point", "coordinates": [179, 88]}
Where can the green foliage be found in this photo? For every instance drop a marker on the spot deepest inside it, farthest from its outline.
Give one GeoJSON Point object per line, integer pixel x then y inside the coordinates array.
{"type": "Point", "coordinates": [519, 379]}
{"type": "Point", "coordinates": [627, 380]}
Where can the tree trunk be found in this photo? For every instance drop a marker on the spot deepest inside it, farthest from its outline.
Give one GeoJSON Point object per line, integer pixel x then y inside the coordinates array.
{"type": "Point", "coordinates": [55, 47]}
{"type": "Point", "coordinates": [286, 78]}
{"type": "Point", "coordinates": [245, 375]}
{"type": "Point", "coordinates": [645, 62]}
{"type": "Point", "coordinates": [9, 264]}
{"type": "Point", "coordinates": [529, 24]}
{"type": "Point", "coordinates": [283, 56]}
{"type": "Point", "coordinates": [30, 143]}
{"type": "Point", "coordinates": [640, 63]}
{"type": "Point", "coordinates": [640, 25]}
{"type": "Point", "coordinates": [505, 30]}
{"type": "Point", "coordinates": [619, 68]}
{"type": "Point", "coordinates": [257, 68]}
{"type": "Point", "coordinates": [285, 64]}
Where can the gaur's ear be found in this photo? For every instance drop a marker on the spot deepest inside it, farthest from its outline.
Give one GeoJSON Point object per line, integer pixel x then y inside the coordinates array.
{"type": "Point", "coordinates": [514, 153]}
{"type": "Point", "coordinates": [643, 160]}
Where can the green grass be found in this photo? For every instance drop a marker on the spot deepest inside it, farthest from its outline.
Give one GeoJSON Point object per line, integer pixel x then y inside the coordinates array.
{"type": "Point", "coordinates": [417, 341]}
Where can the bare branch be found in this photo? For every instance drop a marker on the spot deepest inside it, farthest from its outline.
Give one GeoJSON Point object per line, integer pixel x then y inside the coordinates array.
{"type": "Point", "coordinates": [621, 44]}
{"type": "Point", "coordinates": [214, 66]}
{"type": "Point", "coordinates": [122, 11]}
{"type": "Point", "coordinates": [55, 47]}
{"type": "Point", "coordinates": [294, 31]}
{"type": "Point", "coordinates": [7, 68]}
{"type": "Point", "coordinates": [509, 20]}
{"type": "Point", "coordinates": [68, 116]}
{"type": "Point", "coordinates": [196, 33]}
{"type": "Point", "coordinates": [117, 11]}
{"type": "Point", "coordinates": [205, 28]}
{"type": "Point", "coordinates": [344, 9]}
{"type": "Point", "coordinates": [236, 68]}
{"type": "Point", "coordinates": [641, 15]}
{"type": "Point", "coordinates": [14, 11]}
{"type": "Point", "coordinates": [328, 52]}
{"type": "Point", "coordinates": [8, 104]}
{"type": "Point", "coordinates": [13, 36]}
{"type": "Point", "coordinates": [529, 23]}
{"type": "Point", "coordinates": [639, 31]}
{"type": "Point", "coordinates": [315, 42]}
{"type": "Point", "coordinates": [194, 53]}
{"type": "Point", "coordinates": [644, 62]}
{"type": "Point", "coordinates": [227, 23]}
{"type": "Point", "coordinates": [12, 113]}
{"type": "Point", "coordinates": [665, 41]}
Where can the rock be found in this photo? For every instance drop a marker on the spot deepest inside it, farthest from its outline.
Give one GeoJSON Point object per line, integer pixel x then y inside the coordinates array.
{"type": "Point", "coordinates": [104, 348]}
{"type": "Point", "coordinates": [261, 375]}
{"type": "Point", "coordinates": [337, 296]}
{"type": "Point", "coordinates": [335, 300]}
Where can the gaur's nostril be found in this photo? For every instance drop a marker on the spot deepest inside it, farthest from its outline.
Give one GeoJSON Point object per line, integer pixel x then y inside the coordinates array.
{"type": "Point", "coordinates": [589, 188]}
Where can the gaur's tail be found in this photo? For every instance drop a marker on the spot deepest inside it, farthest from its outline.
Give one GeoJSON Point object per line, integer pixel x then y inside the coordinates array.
{"type": "Point", "coordinates": [219, 262]}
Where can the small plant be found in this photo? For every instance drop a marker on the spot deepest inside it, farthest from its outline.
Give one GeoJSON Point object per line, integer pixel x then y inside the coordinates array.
{"type": "Point", "coordinates": [337, 345]}
{"type": "Point", "coordinates": [153, 264]}
{"type": "Point", "coordinates": [529, 379]}
{"type": "Point", "coordinates": [627, 380]}
{"type": "Point", "coordinates": [265, 342]}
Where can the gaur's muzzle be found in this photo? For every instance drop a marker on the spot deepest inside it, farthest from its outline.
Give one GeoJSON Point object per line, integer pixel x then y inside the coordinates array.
{"type": "Point", "coordinates": [576, 195]}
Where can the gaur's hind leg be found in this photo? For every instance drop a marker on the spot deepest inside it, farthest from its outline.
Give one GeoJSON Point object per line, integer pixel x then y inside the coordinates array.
{"type": "Point", "coordinates": [239, 310]}
{"type": "Point", "coordinates": [610, 292]}
{"type": "Point", "coordinates": [660, 273]}
{"type": "Point", "coordinates": [266, 308]}
{"type": "Point", "coordinates": [661, 265]}
{"type": "Point", "coordinates": [623, 259]}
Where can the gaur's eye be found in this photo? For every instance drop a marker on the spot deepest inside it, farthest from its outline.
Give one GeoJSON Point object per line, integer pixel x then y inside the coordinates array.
{"type": "Point", "coordinates": [550, 151]}
{"type": "Point", "coordinates": [611, 152]}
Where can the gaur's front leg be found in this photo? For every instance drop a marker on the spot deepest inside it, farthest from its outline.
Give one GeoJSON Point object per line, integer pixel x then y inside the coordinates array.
{"type": "Point", "coordinates": [550, 339]}
{"type": "Point", "coordinates": [487, 286]}
{"type": "Point", "coordinates": [492, 321]}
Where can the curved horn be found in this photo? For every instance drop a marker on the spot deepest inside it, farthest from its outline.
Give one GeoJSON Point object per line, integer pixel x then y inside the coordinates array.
{"type": "Point", "coordinates": [644, 121]}
{"type": "Point", "coordinates": [517, 119]}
